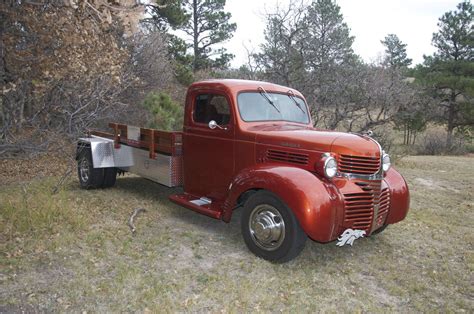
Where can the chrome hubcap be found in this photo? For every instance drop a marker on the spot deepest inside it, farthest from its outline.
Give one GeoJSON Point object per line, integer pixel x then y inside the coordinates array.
{"type": "Point", "coordinates": [267, 227]}
{"type": "Point", "coordinates": [84, 170]}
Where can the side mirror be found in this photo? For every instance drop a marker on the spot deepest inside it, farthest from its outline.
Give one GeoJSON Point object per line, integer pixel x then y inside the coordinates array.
{"type": "Point", "coordinates": [213, 124]}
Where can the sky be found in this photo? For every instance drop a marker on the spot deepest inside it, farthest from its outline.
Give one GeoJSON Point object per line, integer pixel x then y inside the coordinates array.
{"type": "Point", "coordinates": [413, 21]}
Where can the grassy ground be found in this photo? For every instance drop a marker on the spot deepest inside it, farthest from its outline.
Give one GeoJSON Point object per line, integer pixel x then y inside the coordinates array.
{"type": "Point", "coordinates": [73, 251]}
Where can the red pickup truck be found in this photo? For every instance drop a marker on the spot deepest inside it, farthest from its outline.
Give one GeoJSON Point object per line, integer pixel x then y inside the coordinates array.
{"type": "Point", "coordinates": [252, 145]}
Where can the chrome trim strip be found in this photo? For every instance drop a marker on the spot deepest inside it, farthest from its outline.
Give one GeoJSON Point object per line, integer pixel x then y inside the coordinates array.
{"type": "Point", "coordinates": [351, 176]}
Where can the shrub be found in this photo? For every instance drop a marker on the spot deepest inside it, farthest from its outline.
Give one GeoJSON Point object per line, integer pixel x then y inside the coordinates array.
{"type": "Point", "coordinates": [433, 142]}
{"type": "Point", "coordinates": [166, 114]}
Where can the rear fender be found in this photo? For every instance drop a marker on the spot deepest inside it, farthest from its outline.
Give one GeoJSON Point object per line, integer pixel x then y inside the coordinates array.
{"type": "Point", "coordinates": [314, 202]}
{"type": "Point", "coordinates": [104, 154]}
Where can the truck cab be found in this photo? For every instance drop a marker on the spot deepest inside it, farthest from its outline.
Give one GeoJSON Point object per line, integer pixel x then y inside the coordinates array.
{"type": "Point", "coordinates": [251, 146]}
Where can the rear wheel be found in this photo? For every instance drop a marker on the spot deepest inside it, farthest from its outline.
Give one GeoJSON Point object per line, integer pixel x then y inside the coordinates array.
{"type": "Point", "coordinates": [89, 177]}
{"type": "Point", "coordinates": [110, 175]}
{"type": "Point", "coordinates": [269, 228]}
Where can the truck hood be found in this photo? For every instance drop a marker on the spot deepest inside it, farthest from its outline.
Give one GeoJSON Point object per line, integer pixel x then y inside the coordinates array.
{"type": "Point", "coordinates": [312, 139]}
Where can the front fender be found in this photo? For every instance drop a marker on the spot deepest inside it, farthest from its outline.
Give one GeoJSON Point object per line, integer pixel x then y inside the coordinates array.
{"type": "Point", "coordinates": [400, 196]}
{"type": "Point", "coordinates": [314, 202]}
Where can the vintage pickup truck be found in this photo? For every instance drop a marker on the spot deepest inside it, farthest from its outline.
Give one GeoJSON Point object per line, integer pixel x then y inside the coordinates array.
{"type": "Point", "coordinates": [252, 145]}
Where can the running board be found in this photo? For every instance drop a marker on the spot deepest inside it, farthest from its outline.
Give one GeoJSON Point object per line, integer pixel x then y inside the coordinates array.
{"type": "Point", "coordinates": [201, 205]}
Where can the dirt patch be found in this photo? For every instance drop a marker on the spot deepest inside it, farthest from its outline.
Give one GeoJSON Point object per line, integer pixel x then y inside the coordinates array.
{"type": "Point", "coordinates": [432, 184]}
{"type": "Point", "coordinates": [44, 165]}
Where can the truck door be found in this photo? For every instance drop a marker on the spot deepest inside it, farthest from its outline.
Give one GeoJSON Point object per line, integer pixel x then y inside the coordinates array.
{"type": "Point", "coordinates": [208, 153]}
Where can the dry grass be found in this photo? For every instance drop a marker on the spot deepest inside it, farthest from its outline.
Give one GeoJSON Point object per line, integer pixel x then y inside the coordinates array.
{"type": "Point", "coordinates": [73, 251]}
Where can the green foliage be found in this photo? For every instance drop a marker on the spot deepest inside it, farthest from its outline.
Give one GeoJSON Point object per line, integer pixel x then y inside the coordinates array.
{"type": "Point", "coordinates": [304, 44]}
{"type": "Point", "coordinates": [167, 114]}
{"type": "Point", "coordinates": [329, 36]}
{"type": "Point", "coordinates": [455, 39]}
{"type": "Point", "coordinates": [412, 122]}
{"type": "Point", "coordinates": [396, 52]}
{"type": "Point", "coordinates": [209, 25]}
{"type": "Point", "coordinates": [449, 74]}
{"type": "Point", "coordinates": [165, 14]}
{"type": "Point", "coordinates": [183, 69]}
{"type": "Point", "coordinates": [205, 24]}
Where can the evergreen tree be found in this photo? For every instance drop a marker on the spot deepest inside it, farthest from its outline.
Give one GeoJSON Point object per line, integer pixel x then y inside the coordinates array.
{"type": "Point", "coordinates": [166, 114]}
{"type": "Point", "coordinates": [395, 52]}
{"type": "Point", "coordinates": [282, 55]}
{"type": "Point", "coordinates": [208, 26]}
{"type": "Point", "coordinates": [201, 26]}
{"type": "Point", "coordinates": [304, 44]}
{"type": "Point", "coordinates": [449, 74]}
{"type": "Point", "coordinates": [165, 14]}
{"type": "Point", "coordinates": [329, 40]}
{"type": "Point", "coordinates": [204, 23]}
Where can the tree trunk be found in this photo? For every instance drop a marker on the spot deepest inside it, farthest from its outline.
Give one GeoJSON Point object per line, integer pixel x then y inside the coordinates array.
{"type": "Point", "coordinates": [405, 134]}
{"type": "Point", "coordinates": [451, 117]}
{"type": "Point", "coordinates": [195, 36]}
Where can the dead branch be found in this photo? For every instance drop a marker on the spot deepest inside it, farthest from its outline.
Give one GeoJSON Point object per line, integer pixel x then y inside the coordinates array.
{"type": "Point", "coordinates": [134, 214]}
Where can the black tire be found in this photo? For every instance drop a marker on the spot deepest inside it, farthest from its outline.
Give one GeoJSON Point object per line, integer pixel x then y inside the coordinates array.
{"type": "Point", "coordinates": [110, 176]}
{"type": "Point", "coordinates": [263, 214]}
{"type": "Point", "coordinates": [379, 230]}
{"type": "Point", "coordinates": [89, 177]}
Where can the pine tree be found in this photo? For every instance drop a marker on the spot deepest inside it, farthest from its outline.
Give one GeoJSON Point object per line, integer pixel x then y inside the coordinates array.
{"type": "Point", "coordinates": [329, 39]}
{"type": "Point", "coordinates": [208, 26]}
{"type": "Point", "coordinates": [204, 24]}
{"type": "Point", "coordinates": [395, 52]}
{"type": "Point", "coordinates": [449, 73]}
{"type": "Point", "coordinates": [304, 43]}
{"type": "Point", "coordinates": [165, 14]}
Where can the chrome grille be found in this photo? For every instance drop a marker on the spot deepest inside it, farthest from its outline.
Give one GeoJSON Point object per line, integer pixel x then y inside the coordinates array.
{"type": "Point", "coordinates": [359, 164]}
{"type": "Point", "coordinates": [359, 208]}
{"type": "Point", "coordinates": [384, 205]}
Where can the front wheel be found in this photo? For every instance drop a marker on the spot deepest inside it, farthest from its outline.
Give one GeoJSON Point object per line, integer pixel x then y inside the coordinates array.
{"type": "Point", "coordinates": [269, 228]}
{"type": "Point", "coordinates": [379, 230]}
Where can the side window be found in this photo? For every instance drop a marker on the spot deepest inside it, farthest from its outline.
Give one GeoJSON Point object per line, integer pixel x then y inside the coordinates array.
{"type": "Point", "coordinates": [209, 107]}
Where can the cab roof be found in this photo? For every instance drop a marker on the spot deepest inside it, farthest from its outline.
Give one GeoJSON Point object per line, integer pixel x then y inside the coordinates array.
{"type": "Point", "coordinates": [235, 86]}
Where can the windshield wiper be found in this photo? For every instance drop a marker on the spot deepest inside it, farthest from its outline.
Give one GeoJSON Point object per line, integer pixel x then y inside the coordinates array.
{"type": "Point", "coordinates": [265, 95]}
{"type": "Point", "coordinates": [292, 96]}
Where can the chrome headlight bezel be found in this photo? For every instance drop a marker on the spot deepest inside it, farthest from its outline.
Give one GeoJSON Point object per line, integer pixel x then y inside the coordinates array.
{"type": "Point", "coordinates": [386, 162]}
{"type": "Point", "coordinates": [330, 167]}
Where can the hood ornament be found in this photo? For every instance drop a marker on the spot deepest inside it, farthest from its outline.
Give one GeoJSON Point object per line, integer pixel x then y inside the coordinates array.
{"type": "Point", "coordinates": [349, 236]}
{"type": "Point", "coordinates": [368, 133]}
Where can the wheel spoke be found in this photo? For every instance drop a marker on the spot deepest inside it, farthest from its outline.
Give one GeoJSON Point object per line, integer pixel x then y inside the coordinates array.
{"type": "Point", "coordinates": [84, 170]}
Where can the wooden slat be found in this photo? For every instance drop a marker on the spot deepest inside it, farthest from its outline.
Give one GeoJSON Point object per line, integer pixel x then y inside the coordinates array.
{"type": "Point", "coordinates": [150, 139]}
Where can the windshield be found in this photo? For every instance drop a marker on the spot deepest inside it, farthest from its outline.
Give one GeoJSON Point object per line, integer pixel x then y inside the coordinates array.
{"type": "Point", "coordinates": [259, 106]}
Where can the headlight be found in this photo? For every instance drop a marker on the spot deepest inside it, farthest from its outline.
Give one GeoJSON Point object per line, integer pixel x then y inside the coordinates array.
{"type": "Point", "coordinates": [386, 162]}
{"type": "Point", "coordinates": [326, 166]}
{"type": "Point", "coordinates": [330, 167]}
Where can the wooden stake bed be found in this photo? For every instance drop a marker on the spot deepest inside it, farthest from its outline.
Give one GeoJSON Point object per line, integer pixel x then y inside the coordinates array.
{"type": "Point", "coordinates": [155, 141]}
{"type": "Point", "coordinates": [152, 154]}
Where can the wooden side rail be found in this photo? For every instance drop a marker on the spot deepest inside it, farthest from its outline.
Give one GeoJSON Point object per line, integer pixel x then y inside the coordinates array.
{"type": "Point", "coordinates": [153, 140]}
